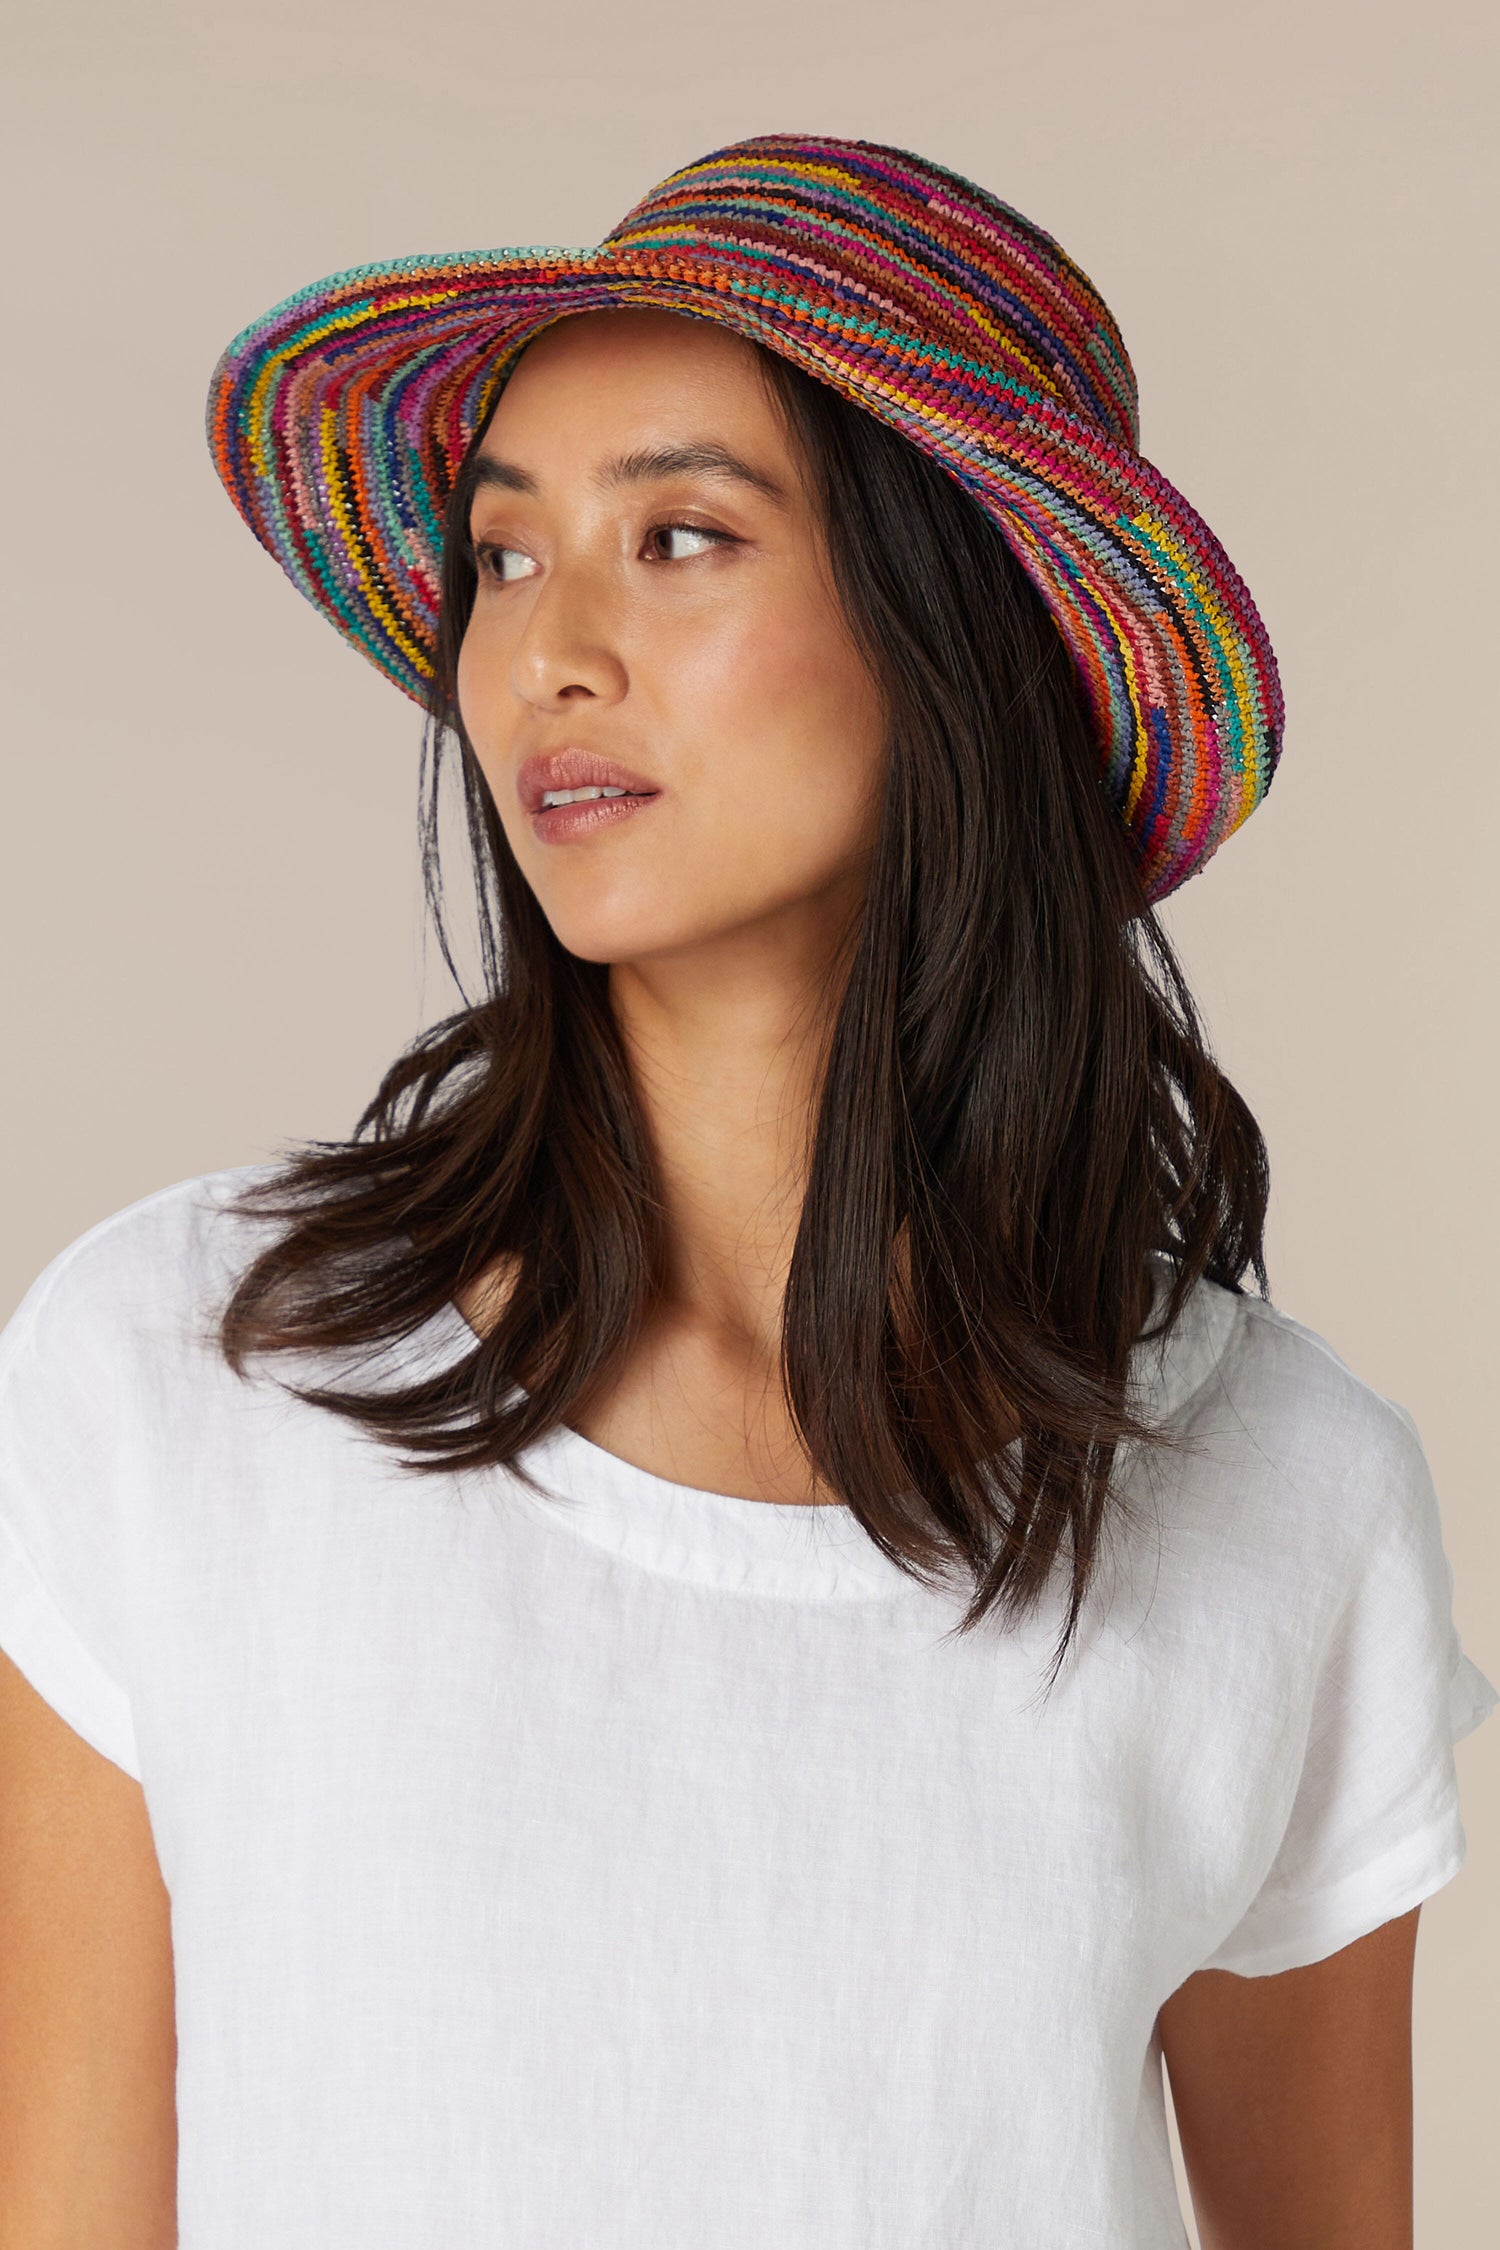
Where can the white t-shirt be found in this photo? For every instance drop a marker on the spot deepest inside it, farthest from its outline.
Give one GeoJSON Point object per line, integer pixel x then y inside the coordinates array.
{"type": "Point", "coordinates": [629, 1867]}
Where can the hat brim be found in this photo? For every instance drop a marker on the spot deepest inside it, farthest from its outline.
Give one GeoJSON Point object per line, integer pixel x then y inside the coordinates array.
{"type": "Point", "coordinates": [339, 419]}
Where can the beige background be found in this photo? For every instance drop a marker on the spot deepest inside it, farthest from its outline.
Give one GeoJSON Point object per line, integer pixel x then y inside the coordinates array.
{"type": "Point", "coordinates": [212, 929]}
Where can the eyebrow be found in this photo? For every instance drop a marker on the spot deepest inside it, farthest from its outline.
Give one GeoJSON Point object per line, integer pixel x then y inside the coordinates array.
{"type": "Point", "coordinates": [638, 468]}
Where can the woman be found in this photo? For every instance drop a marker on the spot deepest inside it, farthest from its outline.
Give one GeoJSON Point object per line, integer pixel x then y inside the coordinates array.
{"type": "Point", "coordinates": [725, 1626]}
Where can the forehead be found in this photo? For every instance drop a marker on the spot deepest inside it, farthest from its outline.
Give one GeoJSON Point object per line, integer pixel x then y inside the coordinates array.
{"type": "Point", "coordinates": [662, 375]}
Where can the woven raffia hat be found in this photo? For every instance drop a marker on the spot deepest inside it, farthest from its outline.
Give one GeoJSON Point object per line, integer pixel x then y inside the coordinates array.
{"type": "Point", "coordinates": [338, 421]}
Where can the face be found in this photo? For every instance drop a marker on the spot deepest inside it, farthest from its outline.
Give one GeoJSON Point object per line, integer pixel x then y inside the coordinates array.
{"type": "Point", "coordinates": [655, 620]}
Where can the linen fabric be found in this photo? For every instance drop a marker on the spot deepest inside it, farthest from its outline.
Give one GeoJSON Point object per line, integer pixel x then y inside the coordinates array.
{"type": "Point", "coordinates": [626, 1865]}
{"type": "Point", "coordinates": [337, 421]}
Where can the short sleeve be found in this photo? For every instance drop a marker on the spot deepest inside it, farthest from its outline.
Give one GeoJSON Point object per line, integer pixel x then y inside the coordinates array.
{"type": "Point", "coordinates": [61, 1573]}
{"type": "Point", "coordinates": [1374, 1825]}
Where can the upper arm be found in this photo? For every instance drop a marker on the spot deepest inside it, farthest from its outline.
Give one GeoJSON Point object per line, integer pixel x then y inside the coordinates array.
{"type": "Point", "coordinates": [88, 2134]}
{"type": "Point", "coordinates": [1293, 2097]}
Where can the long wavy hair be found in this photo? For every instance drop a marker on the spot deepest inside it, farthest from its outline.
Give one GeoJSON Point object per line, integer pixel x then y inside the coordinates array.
{"type": "Point", "coordinates": [1019, 1116]}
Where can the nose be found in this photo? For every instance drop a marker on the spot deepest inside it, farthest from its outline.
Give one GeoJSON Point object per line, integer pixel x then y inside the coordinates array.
{"type": "Point", "coordinates": [566, 652]}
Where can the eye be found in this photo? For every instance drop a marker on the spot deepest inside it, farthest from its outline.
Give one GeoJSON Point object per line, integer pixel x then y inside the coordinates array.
{"type": "Point", "coordinates": [673, 532]}
{"type": "Point", "coordinates": [502, 566]}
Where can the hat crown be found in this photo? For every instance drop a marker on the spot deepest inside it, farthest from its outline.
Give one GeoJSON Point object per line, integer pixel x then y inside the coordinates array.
{"type": "Point", "coordinates": [339, 419]}
{"type": "Point", "coordinates": [908, 246]}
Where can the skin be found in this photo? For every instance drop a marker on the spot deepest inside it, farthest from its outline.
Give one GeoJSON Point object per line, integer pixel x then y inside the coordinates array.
{"type": "Point", "coordinates": [1293, 2098]}
{"type": "Point", "coordinates": [724, 672]}
{"type": "Point", "coordinates": [719, 667]}
{"type": "Point", "coordinates": [88, 2046]}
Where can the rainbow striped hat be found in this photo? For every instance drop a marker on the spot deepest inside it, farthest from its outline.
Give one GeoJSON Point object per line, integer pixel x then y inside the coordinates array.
{"type": "Point", "coordinates": [338, 421]}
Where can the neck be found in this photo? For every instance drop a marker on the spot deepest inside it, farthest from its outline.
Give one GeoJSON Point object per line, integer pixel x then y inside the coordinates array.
{"type": "Point", "coordinates": [727, 1047]}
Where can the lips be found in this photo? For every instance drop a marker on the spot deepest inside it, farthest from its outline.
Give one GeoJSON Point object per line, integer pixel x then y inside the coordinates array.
{"type": "Point", "coordinates": [539, 776]}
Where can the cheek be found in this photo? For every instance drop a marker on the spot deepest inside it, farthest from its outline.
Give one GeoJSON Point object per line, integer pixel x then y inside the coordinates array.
{"type": "Point", "coordinates": [476, 677]}
{"type": "Point", "coordinates": [781, 715]}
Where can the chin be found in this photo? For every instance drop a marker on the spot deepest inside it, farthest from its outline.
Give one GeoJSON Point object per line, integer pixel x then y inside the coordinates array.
{"type": "Point", "coordinates": [610, 939]}
{"type": "Point", "coordinates": [618, 939]}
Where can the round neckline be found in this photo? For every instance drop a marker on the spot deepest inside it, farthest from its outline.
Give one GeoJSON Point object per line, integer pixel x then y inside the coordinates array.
{"type": "Point", "coordinates": [779, 1547]}
{"type": "Point", "coordinates": [717, 1539]}
{"type": "Point", "coordinates": [783, 1548]}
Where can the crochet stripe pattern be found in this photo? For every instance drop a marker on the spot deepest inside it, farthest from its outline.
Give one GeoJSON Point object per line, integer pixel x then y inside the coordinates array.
{"type": "Point", "coordinates": [338, 420]}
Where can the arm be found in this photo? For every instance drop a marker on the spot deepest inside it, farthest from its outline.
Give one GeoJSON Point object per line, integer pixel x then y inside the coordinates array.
{"type": "Point", "coordinates": [1293, 2096]}
{"type": "Point", "coordinates": [88, 2132]}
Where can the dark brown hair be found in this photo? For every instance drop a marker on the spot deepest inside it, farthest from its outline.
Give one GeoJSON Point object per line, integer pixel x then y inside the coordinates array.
{"type": "Point", "coordinates": [1019, 1115]}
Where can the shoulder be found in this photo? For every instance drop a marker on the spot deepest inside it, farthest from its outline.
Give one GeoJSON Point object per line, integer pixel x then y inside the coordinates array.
{"type": "Point", "coordinates": [150, 1271]}
{"type": "Point", "coordinates": [113, 1405]}
{"type": "Point", "coordinates": [1299, 1396]}
{"type": "Point", "coordinates": [1266, 1407]}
